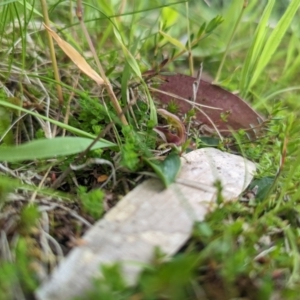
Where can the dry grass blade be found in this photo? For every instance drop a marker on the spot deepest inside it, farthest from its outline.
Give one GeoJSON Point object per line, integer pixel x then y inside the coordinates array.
{"type": "Point", "coordinates": [75, 56]}
{"type": "Point", "coordinates": [52, 53]}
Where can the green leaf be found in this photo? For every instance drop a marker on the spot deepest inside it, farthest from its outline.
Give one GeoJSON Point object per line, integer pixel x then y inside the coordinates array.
{"type": "Point", "coordinates": [173, 41]}
{"type": "Point", "coordinates": [201, 30]}
{"type": "Point", "coordinates": [213, 24]}
{"type": "Point", "coordinates": [264, 185]}
{"type": "Point", "coordinates": [47, 148]}
{"type": "Point", "coordinates": [169, 16]}
{"type": "Point", "coordinates": [210, 141]}
{"type": "Point", "coordinates": [168, 169]}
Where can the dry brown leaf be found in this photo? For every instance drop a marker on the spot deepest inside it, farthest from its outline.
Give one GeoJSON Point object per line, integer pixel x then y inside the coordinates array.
{"type": "Point", "coordinates": [233, 113]}
{"type": "Point", "coordinates": [75, 56]}
{"type": "Point", "coordinates": [102, 178]}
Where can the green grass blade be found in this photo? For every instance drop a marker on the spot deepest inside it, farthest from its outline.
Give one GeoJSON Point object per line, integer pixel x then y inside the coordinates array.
{"type": "Point", "coordinates": [48, 148]}
{"type": "Point", "coordinates": [229, 42]}
{"type": "Point", "coordinates": [60, 124]}
{"type": "Point", "coordinates": [5, 121]}
{"type": "Point", "coordinates": [291, 49]}
{"type": "Point", "coordinates": [29, 7]}
{"type": "Point", "coordinates": [7, 2]}
{"type": "Point", "coordinates": [255, 49]}
{"type": "Point", "coordinates": [128, 56]}
{"type": "Point", "coordinates": [275, 39]}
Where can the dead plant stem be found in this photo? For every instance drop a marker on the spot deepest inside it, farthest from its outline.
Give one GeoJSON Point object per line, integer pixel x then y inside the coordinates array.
{"type": "Point", "coordinates": [52, 53]}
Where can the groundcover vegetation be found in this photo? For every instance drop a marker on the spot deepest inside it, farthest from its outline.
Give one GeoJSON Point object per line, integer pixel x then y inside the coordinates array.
{"type": "Point", "coordinates": [79, 130]}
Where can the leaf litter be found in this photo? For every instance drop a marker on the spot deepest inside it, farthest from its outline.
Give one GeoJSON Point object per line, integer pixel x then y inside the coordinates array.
{"type": "Point", "coordinates": [215, 107]}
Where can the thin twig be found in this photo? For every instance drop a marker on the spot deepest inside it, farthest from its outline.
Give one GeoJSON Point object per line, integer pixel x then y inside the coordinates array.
{"type": "Point", "coordinates": [99, 161]}
{"type": "Point", "coordinates": [183, 99]}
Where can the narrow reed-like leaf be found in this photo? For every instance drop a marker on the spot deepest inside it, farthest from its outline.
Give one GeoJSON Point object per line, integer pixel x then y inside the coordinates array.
{"type": "Point", "coordinates": [48, 148]}
{"type": "Point", "coordinates": [275, 39]}
{"type": "Point", "coordinates": [255, 49]}
{"type": "Point", "coordinates": [128, 56]}
{"type": "Point", "coordinates": [173, 41]}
